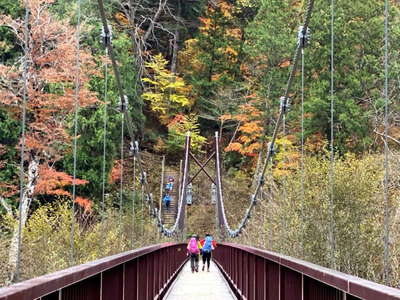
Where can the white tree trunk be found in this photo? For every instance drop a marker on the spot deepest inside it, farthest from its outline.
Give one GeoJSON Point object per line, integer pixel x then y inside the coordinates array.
{"type": "Point", "coordinates": [24, 209]}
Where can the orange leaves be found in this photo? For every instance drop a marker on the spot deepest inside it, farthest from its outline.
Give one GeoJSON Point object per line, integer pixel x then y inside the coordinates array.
{"type": "Point", "coordinates": [53, 182]}
{"type": "Point", "coordinates": [215, 77]}
{"type": "Point", "coordinates": [85, 203]}
{"type": "Point", "coordinates": [234, 147]}
{"type": "Point", "coordinates": [206, 24]}
{"type": "Point", "coordinates": [252, 128]}
{"type": "Point", "coordinates": [115, 174]}
{"type": "Point", "coordinates": [226, 9]}
{"type": "Point", "coordinates": [121, 18]}
{"type": "Point", "coordinates": [225, 117]}
{"type": "Point", "coordinates": [249, 128]}
{"type": "Point", "coordinates": [235, 33]}
{"type": "Point", "coordinates": [231, 53]}
{"type": "Point", "coordinates": [285, 63]}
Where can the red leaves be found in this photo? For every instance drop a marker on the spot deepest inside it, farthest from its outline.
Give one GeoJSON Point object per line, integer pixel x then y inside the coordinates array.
{"type": "Point", "coordinates": [52, 182]}
{"type": "Point", "coordinates": [52, 72]}
{"type": "Point", "coordinates": [85, 203]}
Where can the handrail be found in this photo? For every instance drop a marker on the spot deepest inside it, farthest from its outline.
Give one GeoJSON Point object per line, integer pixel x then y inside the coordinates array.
{"type": "Point", "coordinates": [146, 272]}
{"type": "Point", "coordinates": [268, 275]}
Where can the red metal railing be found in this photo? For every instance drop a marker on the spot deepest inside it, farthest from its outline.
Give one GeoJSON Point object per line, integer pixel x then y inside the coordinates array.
{"type": "Point", "coordinates": [257, 274]}
{"type": "Point", "coordinates": [144, 273]}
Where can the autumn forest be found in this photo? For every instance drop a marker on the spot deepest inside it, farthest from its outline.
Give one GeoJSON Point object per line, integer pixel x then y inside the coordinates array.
{"type": "Point", "coordinates": [69, 182]}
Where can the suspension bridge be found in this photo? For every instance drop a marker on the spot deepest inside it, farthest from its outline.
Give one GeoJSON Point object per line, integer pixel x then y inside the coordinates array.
{"type": "Point", "coordinates": [238, 271]}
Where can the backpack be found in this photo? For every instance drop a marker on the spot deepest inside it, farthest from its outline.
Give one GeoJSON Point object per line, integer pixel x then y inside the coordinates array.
{"type": "Point", "coordinates": [207, 244]}
{"type": "Point", "coordinates": [167, 198]}
{"type": "Point", "coordinates": [192, 247]}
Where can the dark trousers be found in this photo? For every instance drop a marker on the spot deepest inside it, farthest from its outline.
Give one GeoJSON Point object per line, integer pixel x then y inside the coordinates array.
{"type": "Point", "coordinates": [207, 258]}
{"type": "Point", "coordinates": [194, 261]}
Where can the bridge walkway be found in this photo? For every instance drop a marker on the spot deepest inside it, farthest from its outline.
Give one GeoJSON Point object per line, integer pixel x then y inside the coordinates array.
{"type": "Point", "coordinates": [200, 286]}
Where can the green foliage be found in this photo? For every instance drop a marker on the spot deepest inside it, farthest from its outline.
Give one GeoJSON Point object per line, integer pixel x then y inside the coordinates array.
{"type": "Point", "coordinates": [177, 131]}
{"type": "Point", "coordinates": [211, 62]}
{"type": "Point", "coordinates": [299, 227]}
{"type": "Point", "coordinates": [9, 134]}
{"type": "Point", "coordinates": [9, 48]}
{"type": "Point", "coordinates": [358, 66]}
{"type": "Point", "coordinates": [46, 238]}
{"type": "Point", "coordinates": [90, 123]}
{"type": "Point", "coordinates": [167, 92]}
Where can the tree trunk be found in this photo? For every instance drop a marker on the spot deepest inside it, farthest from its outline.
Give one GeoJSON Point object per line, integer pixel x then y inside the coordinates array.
{"type": "Point", "coordinates": [175, 49]}
{"type": "Point", "coordinates": [175, 52]}
{"type": "Point", "coordinates": [24, 210]}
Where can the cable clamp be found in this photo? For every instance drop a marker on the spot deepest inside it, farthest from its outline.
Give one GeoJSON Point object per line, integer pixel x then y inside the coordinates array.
{"type": "Point", "coordinates": [285, 104]}
{"type": "Point", "coordinates": [142, 178]}
{"type": "Point", "coordinates": [123, 104]}
{"type": "Point", "coordinates": [303, 37]}
{"type": "Point", "coordinates": [134, 147]}
{"type": "Point", "coordinates": [271, 149]}
{"type": "Point", "coordinates": [106, 36]}
{"type": "Point", "coordinates": [261, 180]}
{"type": "Point", "coordinates": [253, 199]}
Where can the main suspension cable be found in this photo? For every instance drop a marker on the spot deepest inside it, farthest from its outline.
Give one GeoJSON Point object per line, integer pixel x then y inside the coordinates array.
{"type": "Point", "coordinates": [134, 144]}
{"type": "Point", "coordinates": [284, 104]}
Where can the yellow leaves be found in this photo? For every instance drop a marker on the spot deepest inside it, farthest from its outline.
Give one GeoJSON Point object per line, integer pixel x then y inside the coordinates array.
{"type": "Point", "coordinates": [230, 51]}
{"type": "Point", "coordinates": [182, 124]}
{"type": "Point", "coordinates": [287, 159]}
{"type": "Point", "coordinates": [188, 58]}
{"type": "Point", "coordinates": [150, 81]}
{"type": "Point", "coordinates": [166, 92]}
{"type": "Point", "coordinates": [226, 9]}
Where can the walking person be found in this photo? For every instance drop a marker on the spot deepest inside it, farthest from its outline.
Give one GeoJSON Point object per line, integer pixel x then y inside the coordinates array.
{"type": "Point", "coordinates": [194, 251]}
{"type": "Point", "coordinates": [170, 184]}
{"type": "Point", "coordinates": [167, 201]}
{"type": "Point", "coordinates": [207, 246]}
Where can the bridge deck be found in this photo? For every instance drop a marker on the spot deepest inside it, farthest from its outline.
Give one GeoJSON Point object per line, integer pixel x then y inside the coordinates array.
{"type": "Point", "coordinates": [200, 286]}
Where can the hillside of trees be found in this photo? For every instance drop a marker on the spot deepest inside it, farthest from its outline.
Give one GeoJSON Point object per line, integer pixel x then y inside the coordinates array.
{"type": "Point", "coordinates": [202, 66]}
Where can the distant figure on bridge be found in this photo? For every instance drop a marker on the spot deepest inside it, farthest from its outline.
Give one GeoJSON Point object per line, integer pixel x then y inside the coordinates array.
{"type": "Point", "coordinates": [208, 244]}
{"type": "Point", "coordinates": [167, 200]}
{"type": "Point", "coordinates": [193, 248]}
{"type": "Point", "coordinates": [170, 184]}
